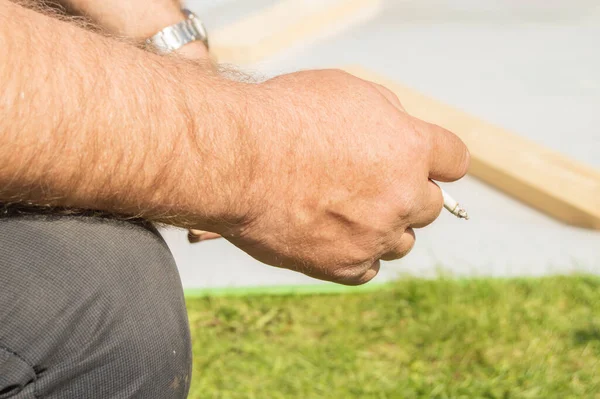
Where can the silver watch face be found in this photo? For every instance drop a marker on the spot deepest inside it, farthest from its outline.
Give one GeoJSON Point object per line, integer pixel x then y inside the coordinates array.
{"type": "Point", "coordinates": [199, 28]}
{"type": "Point", "coordinates": [176, 36]}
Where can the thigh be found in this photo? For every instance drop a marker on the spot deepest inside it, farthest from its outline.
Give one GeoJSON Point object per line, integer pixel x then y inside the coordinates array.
{"type": "Point", "coordinates": [90, 308]}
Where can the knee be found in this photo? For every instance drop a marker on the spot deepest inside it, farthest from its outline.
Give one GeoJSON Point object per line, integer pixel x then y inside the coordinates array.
{"type": "Point", "coordinates": [126, 350]}
{"type": "Point", "coordinates": [103, 315]}
{"type": "Point", "coordinates": [130, 322]}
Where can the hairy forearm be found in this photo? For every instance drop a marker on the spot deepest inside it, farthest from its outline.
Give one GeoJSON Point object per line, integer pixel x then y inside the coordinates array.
{"type": "Point", "coordinates": [93, 123]}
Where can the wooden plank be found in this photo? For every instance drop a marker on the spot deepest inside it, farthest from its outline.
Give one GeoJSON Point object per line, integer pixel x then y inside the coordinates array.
{"type": "Point", "coordinates": [285, 24]}
{"type": "Point", "coordinates": [544, 179]}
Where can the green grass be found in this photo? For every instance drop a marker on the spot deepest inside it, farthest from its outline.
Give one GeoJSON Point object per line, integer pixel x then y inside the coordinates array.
{"type": "Point", "coordinates": [483, 338]}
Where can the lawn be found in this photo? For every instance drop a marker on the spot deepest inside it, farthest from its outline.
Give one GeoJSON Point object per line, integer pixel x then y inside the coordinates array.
{"type": "Point", "coordinates": [480, 338]}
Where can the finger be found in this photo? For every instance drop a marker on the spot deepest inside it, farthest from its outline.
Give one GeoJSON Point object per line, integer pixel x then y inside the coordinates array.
{"type": "Point", "coordinates": [391, 97]}
{"type": "Point", "coordinates": [210, 236]}
{"type": "Point", "coordinates": [449, 158]}
{"type": "Point", "coordinates": [204, 237]}
{"type": "Point", "coordinates": [356, 278]}
{"type": "Point", "coordinates": [387, 93]}
{"type": "Point", "coordinates": [402, 246]}
{"type": "Point", "coordinates": [430, 207]}
{"type": "Point", "coordinates": [195, 236]}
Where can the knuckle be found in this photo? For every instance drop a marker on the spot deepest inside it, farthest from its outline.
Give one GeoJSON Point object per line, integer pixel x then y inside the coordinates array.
{"type": "Point", "coordinates": [390, 94]}
{"type": "Point", "coordinates": [402, 247]}
{"type": "Point", "coordinates": [353, 275]}
{"type": "Point", "coordinates": [336, 74]}
{"type": "Point", "coordinates": [421, 141]}
{"type": "Point", "coordinates": [339, 72]}
{"type": "Point", "coordinates": [431, 204]}
{"type": "Point", "coordinates": [407, 203]}
{"type": "Point", "coordinates": [435, 211]}
{"type": "Point", "coordinates": [409, 244]}
{"type": "Point", "coordinates": [381, 222]}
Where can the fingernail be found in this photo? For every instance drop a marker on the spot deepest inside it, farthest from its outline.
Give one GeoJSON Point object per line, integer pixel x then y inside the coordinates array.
{"type": "Point", "coordinates": [192, 238]}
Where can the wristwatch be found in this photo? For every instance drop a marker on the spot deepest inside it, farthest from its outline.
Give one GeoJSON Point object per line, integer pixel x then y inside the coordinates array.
{"type": "Point", "coordinates": [178, 35]}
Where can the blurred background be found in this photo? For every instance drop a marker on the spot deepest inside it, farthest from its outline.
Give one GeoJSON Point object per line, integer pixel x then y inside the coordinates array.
{"type": "Point", "coordinates": [506, 305]}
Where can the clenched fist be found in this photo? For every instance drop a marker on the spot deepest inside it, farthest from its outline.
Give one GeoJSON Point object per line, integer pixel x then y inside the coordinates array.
{"type": "Point", "coordinates": [340, 175]}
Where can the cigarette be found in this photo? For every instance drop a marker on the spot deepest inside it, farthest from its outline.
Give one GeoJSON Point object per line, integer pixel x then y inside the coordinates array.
{"type": "Point", "coordinates": [453, 206]}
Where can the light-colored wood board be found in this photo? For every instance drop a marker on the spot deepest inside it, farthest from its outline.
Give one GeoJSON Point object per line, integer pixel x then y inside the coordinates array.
{"type": "Point", "coordinates": [284, 25]}
{"type": "Point", "coordinates": [542, 178]}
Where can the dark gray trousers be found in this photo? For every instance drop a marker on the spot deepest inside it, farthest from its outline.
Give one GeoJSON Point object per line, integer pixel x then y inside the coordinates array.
{"type": "Point", "coordinates": [90, 308]}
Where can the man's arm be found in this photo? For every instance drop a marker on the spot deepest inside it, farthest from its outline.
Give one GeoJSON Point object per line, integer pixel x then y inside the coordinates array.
{"type": "Point", "coordinates": [137, 20]}
{"type": "Point", "coordinates": [315, 171]}
{"type": "Point", "coordinates": [89, 122]}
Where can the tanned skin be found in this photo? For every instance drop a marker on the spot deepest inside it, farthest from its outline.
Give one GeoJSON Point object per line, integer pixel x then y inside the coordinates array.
{"type": "Point", "coordinates": [315, 171]}
{"type": "Point", "coordinates": [135, 21]}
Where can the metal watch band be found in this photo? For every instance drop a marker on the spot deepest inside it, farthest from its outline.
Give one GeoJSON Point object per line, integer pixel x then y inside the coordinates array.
{"type": "Point", "coordinates": [178, 35]}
